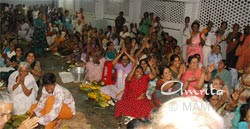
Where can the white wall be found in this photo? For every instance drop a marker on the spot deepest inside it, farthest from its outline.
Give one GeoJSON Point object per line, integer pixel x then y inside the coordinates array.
{"type": "Point", "coordinates": [191, 10]}
{"type": "Point", "coordinates": [67, 4]}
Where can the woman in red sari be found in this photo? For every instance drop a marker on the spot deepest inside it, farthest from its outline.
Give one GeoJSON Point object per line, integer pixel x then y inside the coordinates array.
{"type": "Point", "coordinates": [243, 50]}
{"type": "Point", "coordinates": [134, 102]}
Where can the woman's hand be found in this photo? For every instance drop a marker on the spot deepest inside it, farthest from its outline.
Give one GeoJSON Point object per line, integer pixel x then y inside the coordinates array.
{"type": "Point", "coordinates": [142, 96]}
{"type": "Point", "coordinates": [182, 69]}
{"type": "Point", "coordinates": [20, 79]}
{"type": "Point", "coordinates": [152, 63]}
{"type": "Point", "coordinates": [29, 123]}
{"type": "Point", "coordinates": [191, 79]}
{"type": "Point", "coordinates": [203, 69]}
{"type": "Point", "coordinates": [211, 68]}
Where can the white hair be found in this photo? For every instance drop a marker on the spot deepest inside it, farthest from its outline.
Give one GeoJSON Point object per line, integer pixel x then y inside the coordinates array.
{"type": "Point", "coordinates": [186, 113]}
{"type": "Point", "coordinates": [24, 64]}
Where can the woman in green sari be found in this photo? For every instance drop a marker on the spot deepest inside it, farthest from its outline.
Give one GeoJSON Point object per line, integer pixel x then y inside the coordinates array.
{"type": "Point", "coordinates": [39, 37]}
{"type": "Point", "coordinates": [145, 24]}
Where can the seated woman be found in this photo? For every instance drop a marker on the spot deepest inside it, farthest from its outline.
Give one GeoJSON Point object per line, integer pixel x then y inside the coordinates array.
{"type": "Point", "coordinates": [57, 42]}
{"type": "Point", "coordinates": [10, 51]}
{"type": "Point", "coordinates": [144, 64]}
{"type": "Point", "coordinates": [218, 97]}
{"type": "Point", "coordinates": [224, 74]}
{"type": "Point", "coordinates": [134, 102]}
{"type": "Point", "coordinates": [13, 63]}
{"type": "Point", "coordinates": [35, 66]}
{"type": "Point", "coordinates": [176, 68]}
{"type": "Point", "coordinates": [176, 51]}
{"type": "Point", "coordinates": [110, 53]}
{"type": "Point", "coordinates": [166, 75]}
{"type": "Point", "coordinates": [194, 77]}
{"type": "Point", "coordinates": [67, 47]}
{"type": "Point", "coordinates": [95, 67]}
{"type": "Point", "coordinates": [123, 69]}
{"type": "Point", "coordinates": [244, 117]}
{"type": "Point", "coordinates": [16, 59]}
{"type": "Point", "coordinates": [23, 31]}
{"type": "Point", "coordinates": [22, 88]}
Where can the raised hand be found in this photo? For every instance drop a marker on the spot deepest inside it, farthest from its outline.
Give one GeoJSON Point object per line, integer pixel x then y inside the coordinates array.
{"type": "Point", "coordinates": [152, 63]}
{"type": "Point", "coordinates": [123, 49]}
{"type": "Point", "coordinates": [210, 68]}
{"type": "Point", "coordinates": [203, 69]}
{"type": "Point", "coordinates": [235, 95]}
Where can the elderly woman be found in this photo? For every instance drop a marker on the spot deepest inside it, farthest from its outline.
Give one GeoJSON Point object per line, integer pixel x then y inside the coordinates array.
{"type": "Point", "coordinates": [22, 88]}
{"type": "Point", "coordinates": [194, 117]}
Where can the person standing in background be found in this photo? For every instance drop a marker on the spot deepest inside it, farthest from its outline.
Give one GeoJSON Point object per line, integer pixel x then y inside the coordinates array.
{"type": "Point", "coordinates": [119, 22]}
{"type": "Point", "coordinates": [39, 37]}
{"type": "Point", "coordinates": [186, 34]}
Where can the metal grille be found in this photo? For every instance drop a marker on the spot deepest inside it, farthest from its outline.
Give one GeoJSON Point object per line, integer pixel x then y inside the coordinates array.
{"type": "Point", "coordinates": [232, 11]}
{"type": "Point", "coordinates": [113, 7]}
{"type": "Point", "coordinates": [88, 5]}
{"type": "Point", "coordinates": [169, 11]}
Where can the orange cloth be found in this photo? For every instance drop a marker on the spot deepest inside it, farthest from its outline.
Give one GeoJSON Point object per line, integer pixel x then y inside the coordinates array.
{"type": "Point", "coordinates": [65, 112]}
{"type": "Point", "coordinates": [243, 51]}
{"type": "Point", "coordinates": [204, 31]}
{"type": "Point", "coordinates": [57, 43]}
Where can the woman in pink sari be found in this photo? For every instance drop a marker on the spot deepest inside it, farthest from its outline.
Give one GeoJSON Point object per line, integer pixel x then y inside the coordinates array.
{"type": "Point", "coordinates": [194, 42]}
{"type": "Point", "coordinates": [243, 50]}
{"type": "Point", "coordinates": [194, 78]}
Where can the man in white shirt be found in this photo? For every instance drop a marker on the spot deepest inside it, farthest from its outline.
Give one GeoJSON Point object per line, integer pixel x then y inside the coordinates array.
{"type": "Point", "coordinates": [55, 103]}
{"type": "Point", "coordinates": [79, 27]}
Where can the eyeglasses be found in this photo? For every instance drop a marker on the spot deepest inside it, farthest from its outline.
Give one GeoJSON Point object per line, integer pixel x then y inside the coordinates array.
{"type": "Point", "coordinates": [8, 115]}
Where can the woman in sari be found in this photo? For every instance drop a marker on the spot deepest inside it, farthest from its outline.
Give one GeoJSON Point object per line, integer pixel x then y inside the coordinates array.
{"type": "Point", "coordinates": [233, 42]}
{"type": "Point", "coordinates": [194, 43]}
{"type": "Point", "coordinates": [134, 102]}
{"type": "Point", "coordinates": [22, 88]}
{"type": "Point", "coordinates": [243, 50]}
{"type": "Point", "coordinates": [145, 24]}
{"type": "Point", "coordinates": [176, 66]}
{"type": "Point", "coordinates": [39, 37]}
{"type": "Point", "coordinates": [194, 78]}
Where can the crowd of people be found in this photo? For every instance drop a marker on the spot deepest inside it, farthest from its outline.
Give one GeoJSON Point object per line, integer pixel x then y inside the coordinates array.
{"type": "Point", "coordinates": [213, 64]}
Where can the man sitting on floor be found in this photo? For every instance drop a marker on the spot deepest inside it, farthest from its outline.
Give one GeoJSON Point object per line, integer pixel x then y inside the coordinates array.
{"type": "Point", "coordinates": [55, 103]}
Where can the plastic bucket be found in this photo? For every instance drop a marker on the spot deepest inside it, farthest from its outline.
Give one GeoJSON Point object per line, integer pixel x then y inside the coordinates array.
{"type": "Point", "coordinates": [78, 74]}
